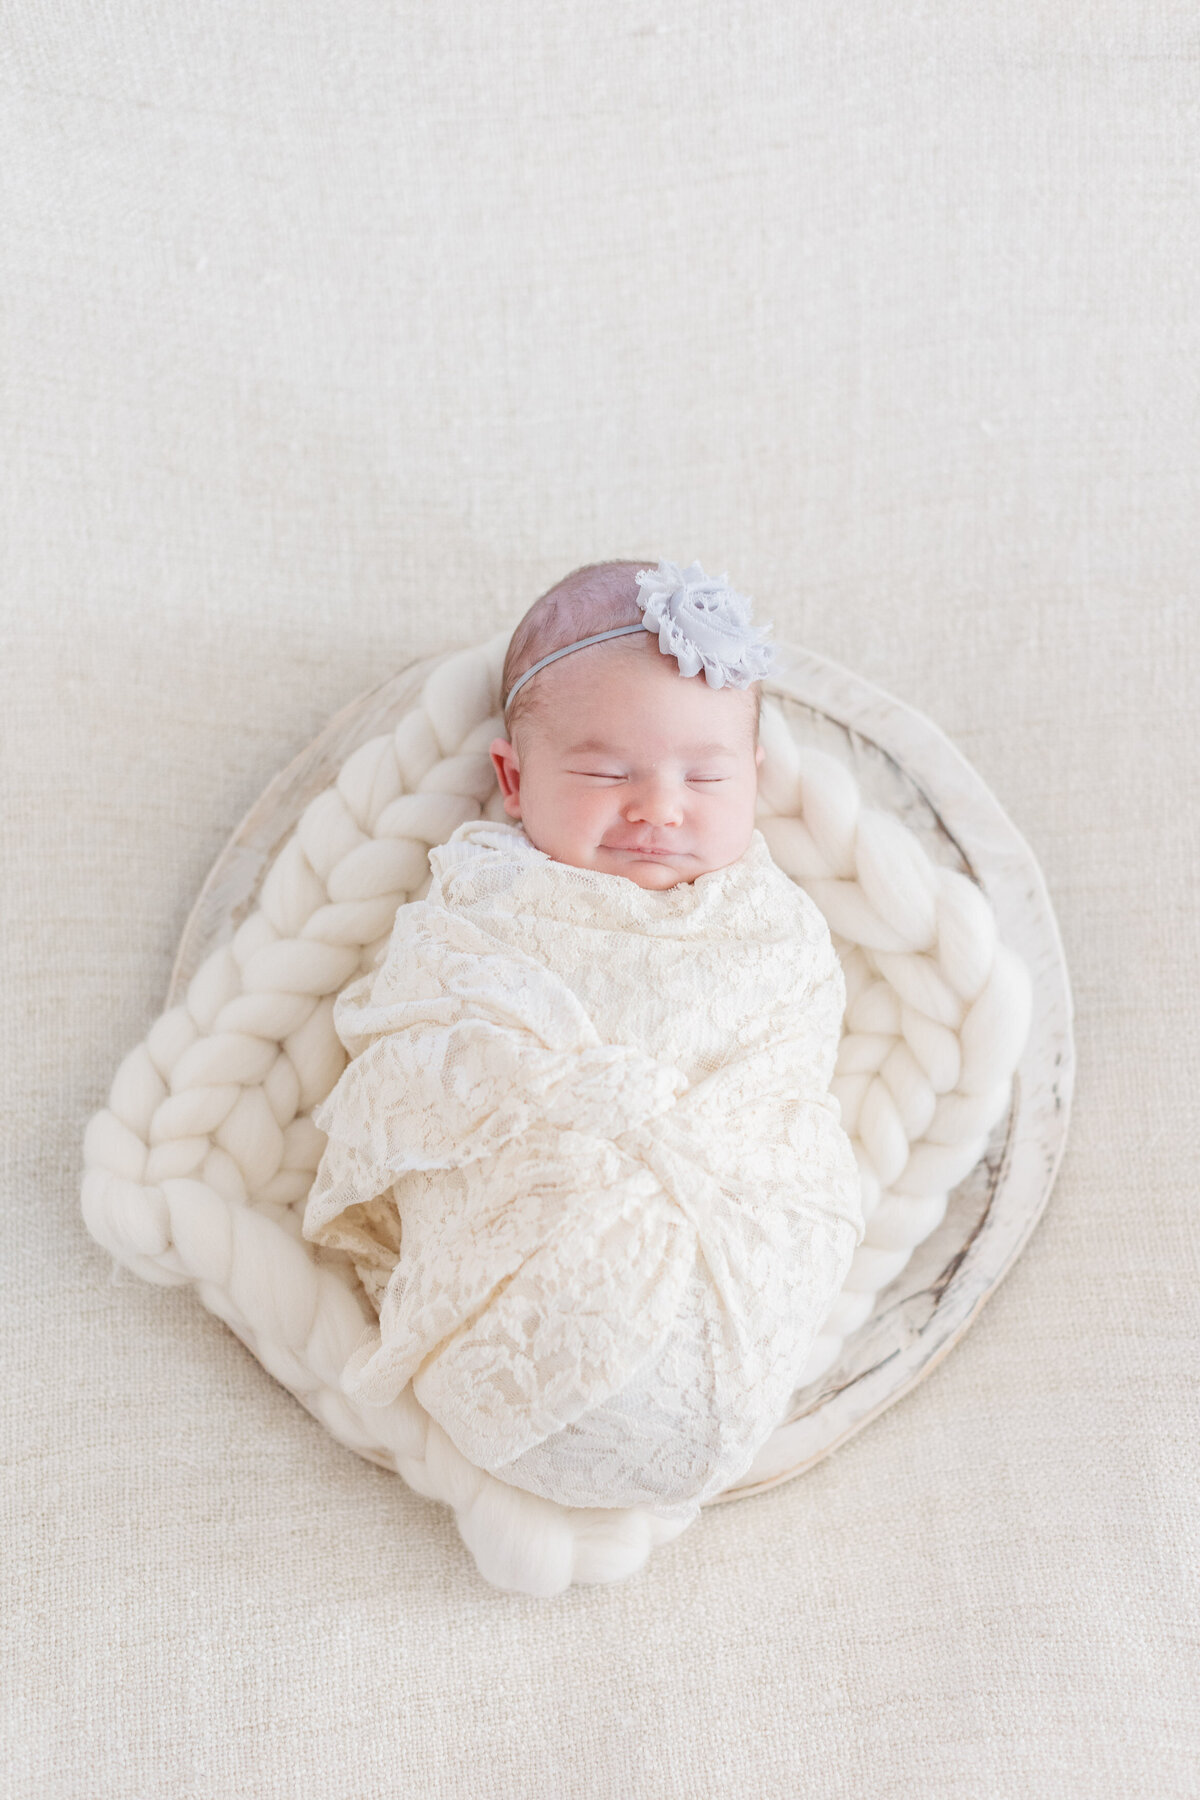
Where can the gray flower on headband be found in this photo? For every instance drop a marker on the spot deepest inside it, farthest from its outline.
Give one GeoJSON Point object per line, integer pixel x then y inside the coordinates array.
{"type": "Point", "coordinates": [704, 624]}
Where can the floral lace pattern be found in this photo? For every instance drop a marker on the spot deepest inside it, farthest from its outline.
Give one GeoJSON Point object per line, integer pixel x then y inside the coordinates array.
{"type": "Point", "coordinates": [586, 1163]}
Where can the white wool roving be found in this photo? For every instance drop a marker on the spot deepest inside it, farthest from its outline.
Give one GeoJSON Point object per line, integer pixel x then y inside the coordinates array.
{"type": "Point", "coordinates": [199, 1168]}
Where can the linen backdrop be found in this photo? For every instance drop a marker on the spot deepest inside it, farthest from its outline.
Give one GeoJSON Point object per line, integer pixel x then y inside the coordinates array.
{"type": "Point", "coordinates": [331, 336]}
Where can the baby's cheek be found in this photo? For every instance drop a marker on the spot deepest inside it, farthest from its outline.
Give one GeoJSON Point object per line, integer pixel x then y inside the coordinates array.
{"type": "Point", "coordinates": [594, 810]}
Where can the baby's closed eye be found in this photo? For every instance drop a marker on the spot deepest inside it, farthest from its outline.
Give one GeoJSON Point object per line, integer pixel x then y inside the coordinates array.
{"type": "Point", "coordinates": [604, 775]}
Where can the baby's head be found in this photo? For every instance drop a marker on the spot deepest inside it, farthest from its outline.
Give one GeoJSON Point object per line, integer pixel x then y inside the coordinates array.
{"type": "Point", "coordinates": [614, 759]}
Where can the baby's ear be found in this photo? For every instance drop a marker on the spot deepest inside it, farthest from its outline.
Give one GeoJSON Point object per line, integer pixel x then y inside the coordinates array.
{"type": "Point", "coordinates": [508, 774]}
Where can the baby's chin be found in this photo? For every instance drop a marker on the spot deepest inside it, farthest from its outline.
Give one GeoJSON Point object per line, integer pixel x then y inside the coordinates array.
{"type": "Point", "coordinates": [649, 871]}
{"type": "Point", "coordinates": [654, 873]}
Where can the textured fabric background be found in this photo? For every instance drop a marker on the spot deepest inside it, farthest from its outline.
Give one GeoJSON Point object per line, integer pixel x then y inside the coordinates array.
{"type": "Point", "coordinates": [331, 335]}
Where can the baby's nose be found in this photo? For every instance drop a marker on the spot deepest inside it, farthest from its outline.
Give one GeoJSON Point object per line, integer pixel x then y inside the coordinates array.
{"type": "Point", "coordinates": [657, 801]}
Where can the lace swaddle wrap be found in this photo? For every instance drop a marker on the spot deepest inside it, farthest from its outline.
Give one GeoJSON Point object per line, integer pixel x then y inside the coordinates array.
{"type": "Point", "coordinates": [587, 1165]}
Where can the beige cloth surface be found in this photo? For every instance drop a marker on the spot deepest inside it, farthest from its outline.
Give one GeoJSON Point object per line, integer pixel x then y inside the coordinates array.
{"type": "Point", "coordinates": [331, 336]}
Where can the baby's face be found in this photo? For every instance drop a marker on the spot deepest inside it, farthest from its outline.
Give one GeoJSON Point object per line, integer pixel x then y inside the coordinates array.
{"type": "Point", "coordinates": [633, 768]}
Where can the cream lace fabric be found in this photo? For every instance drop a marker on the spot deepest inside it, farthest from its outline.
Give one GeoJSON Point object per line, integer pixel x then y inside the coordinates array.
{"type": "Point", "coordinates": [586, 1163]}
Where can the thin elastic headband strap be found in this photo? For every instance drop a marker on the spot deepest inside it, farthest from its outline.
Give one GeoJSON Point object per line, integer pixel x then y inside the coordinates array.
{"type": "Point", "coordinates": [621, 631]}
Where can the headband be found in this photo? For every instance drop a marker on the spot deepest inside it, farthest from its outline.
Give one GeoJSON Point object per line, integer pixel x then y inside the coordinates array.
{"type": "Point", "coordinates": [702, 623]}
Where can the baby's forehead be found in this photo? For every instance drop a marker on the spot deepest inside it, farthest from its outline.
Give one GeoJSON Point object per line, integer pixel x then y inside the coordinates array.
{"type": "Point", "coordinates": [683, 743]}
{"type": "Point", "coordinates": [567, 736]}
{"type": "Point", "coordinates": [626, 697]}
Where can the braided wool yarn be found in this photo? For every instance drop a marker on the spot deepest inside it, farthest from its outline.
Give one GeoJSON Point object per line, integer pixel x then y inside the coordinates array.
{"type": "Point", "coordinates": [198, 1168]}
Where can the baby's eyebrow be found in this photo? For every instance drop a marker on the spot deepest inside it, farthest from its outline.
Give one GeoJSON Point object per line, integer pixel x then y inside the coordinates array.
{"type": "Point", "coordinates": [598, 744]}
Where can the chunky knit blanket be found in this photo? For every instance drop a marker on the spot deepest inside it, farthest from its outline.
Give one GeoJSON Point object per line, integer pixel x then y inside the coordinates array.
{"type": "Point", "coordinates": [587, 1164]}
{"type": "Point", "coordinates": [200, 1166]}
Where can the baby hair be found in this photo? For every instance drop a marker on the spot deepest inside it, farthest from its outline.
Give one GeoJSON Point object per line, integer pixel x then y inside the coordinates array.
{"type": "Point", "coordinates": [596, 597]}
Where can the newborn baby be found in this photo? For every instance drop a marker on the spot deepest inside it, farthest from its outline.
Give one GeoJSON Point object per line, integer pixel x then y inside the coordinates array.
{"type": "Point", "coordinates": [584, 1157]}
